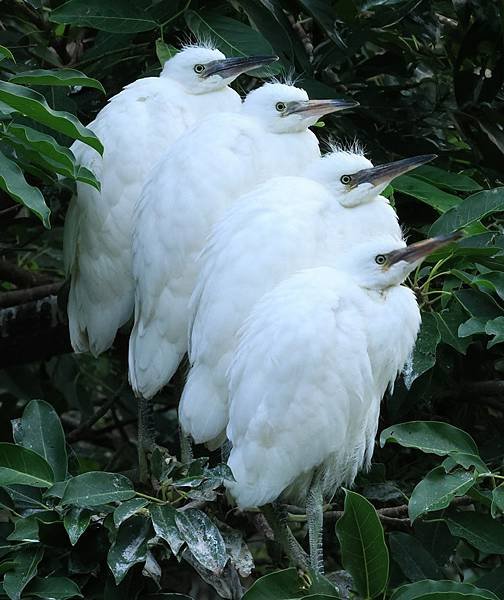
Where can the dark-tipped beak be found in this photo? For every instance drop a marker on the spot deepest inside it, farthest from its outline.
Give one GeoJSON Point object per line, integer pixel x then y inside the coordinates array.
{"type": "Point", "coordinates": [232, 67]}
{"type": "Point", "coordinates": [386, 173]}
{"type": "Point", "coordinates": [418, 251]}
{"type": "Point", "coordinates": [317, 108]}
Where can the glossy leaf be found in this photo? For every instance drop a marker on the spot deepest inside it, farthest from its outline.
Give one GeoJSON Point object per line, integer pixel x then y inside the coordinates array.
{"type": "Point", "coordinates": [57, 77]}
{"type": "Point", "coordinates": [32, 104]}
{"type": "Point", "coordinates": [232, 37]}
{"type": "Point", "coordinates": [471, 209]}
{"type": "Point", "coordinates": [96, 487]}
{"type": "Point", "coordinates": [425, 192]}
{"type": "Point", "coordinates": [447, 179]}
{"type": "Point", "coordinates": [26, 529]}
{"type": "Point", "coordinates": [364, 553]}
{"type": "Point", "coordinates": [129, 548]}
{"type": "Point", "coordinates": [203, 539]}
{"type": "Point", "coordinates": [53, 588]}
{"type": "Point", "coordinates": [412, 557]}
{"type": "Point", "coordinates": [25, 569]}
{"type": "Point", "coordinates": [288, 584]}
{"type": "Point", "coordinates": [116, 16]}
{"type": "Point", "coordinates": [41, 431]}
{"type": "Point", "coordinates": [6, 53]}
{"type": "Point", "coordinates": [441, 590]}
{"type": "Point", "coordinates": [22, 466]}
{"type": "Point", "coordinates": [424, 353]}
{"type": "Point", "coordinates": [498, 500]}
{"type": "Point", "coordinates": [127, 509]}
{"type": "Point", "coordinates": [432, 437]}
{"type": "Point", "coordinates": [437, 489]}
{"type": "Point", "coordinates": [76, 521]}
{"type": "Point", "coordinates": [163, 520]}
{"type": "Point", "coordinates": [13, 182]}
{"type": "Point", "coordinates": [480, 530]}
{"type": "Point", "coordinates": [164, 51]}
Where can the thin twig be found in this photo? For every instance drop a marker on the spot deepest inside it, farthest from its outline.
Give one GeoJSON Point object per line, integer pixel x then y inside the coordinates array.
{"type": "Point", "coordinates": [20, 277]}
{"type": "Point", "coordinates": [102, 411]}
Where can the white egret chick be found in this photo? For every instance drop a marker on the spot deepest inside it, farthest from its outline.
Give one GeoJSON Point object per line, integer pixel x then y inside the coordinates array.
{"type": "Point", "coordinates": [135, 127]}
{"type": "Point", "coordinates": [196, 180]}
{"type": "Point", "coordinates": [314, 360]}
{"type": "Point", "coordinates": [280, 227]}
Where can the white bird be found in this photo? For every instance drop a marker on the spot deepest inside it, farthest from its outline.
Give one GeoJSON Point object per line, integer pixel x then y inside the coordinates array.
{"type": "Point", "coordinates": [314, 360]}
{"type": "Point", "coordinates": [203, 173]}
{"type": "Point", "coordinates": [280, 227]}
{"type": "Point", "coordinates": [135, 127]}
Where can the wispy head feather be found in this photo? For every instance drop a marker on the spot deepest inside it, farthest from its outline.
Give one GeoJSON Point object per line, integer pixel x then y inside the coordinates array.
{"type": "Point", "coordinates": [350, 146]}
{"type": "Point", "coordinates": [191, 40]}
{"type": "Point", "coordinates": [286, 77]}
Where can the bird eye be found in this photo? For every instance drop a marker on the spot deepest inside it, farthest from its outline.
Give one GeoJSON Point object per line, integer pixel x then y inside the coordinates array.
{"type": "Point", "coordinates": [381, 259]}
{"type": "Point", "coordinates": [199, 69]}
{"type": "Point", "coordinates": [345, 179]}
{"type": "Point", "coordinates": [280, 106]}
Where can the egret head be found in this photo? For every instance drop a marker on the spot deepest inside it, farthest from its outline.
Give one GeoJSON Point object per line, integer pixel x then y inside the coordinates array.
{"type": "Point", "coordinates": [283, 108]}
{"type": "Point", "coordinates": [200, 69]}
{"type": "Point", "coordinates": [354, 180]}
{"type": "Point", "coordinates": [384, 262]}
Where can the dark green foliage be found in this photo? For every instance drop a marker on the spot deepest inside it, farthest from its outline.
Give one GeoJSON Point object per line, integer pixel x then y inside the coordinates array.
{"type": "Point", "coordinates": [427, 520]}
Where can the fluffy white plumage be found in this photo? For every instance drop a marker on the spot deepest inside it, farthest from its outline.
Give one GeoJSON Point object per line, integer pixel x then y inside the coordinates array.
{"type": "Point", "coordinates": [314, 359]}
{"type": "Point", "coordinates": [135, 127]}
{"type": "Point", "coordinates": [285, 225]}
{"type": "Point", "coordinates": [202, 174]}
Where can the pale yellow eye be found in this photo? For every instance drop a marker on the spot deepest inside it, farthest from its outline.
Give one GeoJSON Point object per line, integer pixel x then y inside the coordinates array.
{"type": "Point", "coordinates": [381, 259]}
{"type": "Point", "coordinates": [280, 106]}
{"type": "Point", "coordinates": [199, 69]}
{"type": "Point", "coordinates": [345, 179]}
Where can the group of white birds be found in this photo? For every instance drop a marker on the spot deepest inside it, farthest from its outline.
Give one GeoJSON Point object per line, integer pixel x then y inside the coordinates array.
{"type": "Point", "coordinates": [221, 227]}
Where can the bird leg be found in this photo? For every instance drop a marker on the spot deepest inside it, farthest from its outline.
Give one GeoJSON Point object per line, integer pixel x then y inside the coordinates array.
{"type": "Point", "coordinates": [315, 518]}
{"type": "Point", "coordinates": [146, 437]}
{"type": "Point", "coordinates": [186, 453]}
{"type": "Point", "coordinates": [276, 515]}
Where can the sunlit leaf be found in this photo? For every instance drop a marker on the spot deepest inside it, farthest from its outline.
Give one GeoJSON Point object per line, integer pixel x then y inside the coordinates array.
{"type": "Point", "coordinates": [21, 466]}
{"type": "Point", "coordinates": [96, 487]}
{"type": "Point", "coordinates": [56, 77]}
{"type": "Point", "coordinates": [129, 548]}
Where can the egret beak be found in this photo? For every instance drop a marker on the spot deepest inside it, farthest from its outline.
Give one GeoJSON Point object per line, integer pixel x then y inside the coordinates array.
{"type": "Point", "coordinates": [317, 108]}
{"type": "Point", "coordinates": [386, 173]}
{"type": "Point", "coordinates": [232, 67]}
{"type": "Point", "coordinates": [418, 251]}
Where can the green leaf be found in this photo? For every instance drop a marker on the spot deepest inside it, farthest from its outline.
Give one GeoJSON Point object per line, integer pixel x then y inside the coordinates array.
{"type": "Point", "coordinates": [57, 77]}
{"type": "Point", "coordinates": [203, 539]}
{"type": "Point", "coordinates": [129, 548]}
{"type": "Point", "coordinates": [424, 353]}
{"type": "Point", "coordinates": [6, 53]}
{"type": "Point", "coordinates": [495, 327]}
{"type": "Point", "coordinates": [414, 560]}
{"type": "Point", "coordinates": [53, 588]}
{"type": "Point", "coordinates": [425, 192]}
{"type": "Point", "coordinates": [76, 521]}
{"type": "Point", "coordinates": [231, 37]}
{"type": "Point", "coordinates": [26, 529]}
{"type": "Point", "coordinates": [21, 466]}
{"type": "Point", "coordinates": [32, 104]}
{"type": "Point", "coordinates": [163, 519]}
{"type": "Point", "coordinates": [432, 437]}
{"type": "Point", "coordinates": [164, 51]}
{"type": "Point", "coordinates": [497, 500]}
{"type": "Point", "coordinates": [441, 590]}
{"type": "Point", "coordinates": [448, 322]}
{"type": "Point", "coordinates": [96, 487]}
{"type": "Point", "coordinates": [363, 551]}
{"type": "Point", "coordinates": [480, 530]}
{"type": "Point", "coordinates": [24, 571]}
{"type": "Point", "coordinates": [40, 430]}
{"type": "Point", "coordinates": [13, 182]}
{"type": "Point", "coordinates": [437, 489]}
{"type": "Point", "coordinates": [288, 584]}
{"type": "Point", "coordinates": [447, 179]}
{"type": "Point", "coordinates": [468, 461]}
{"type": "Point", "coordinates": [471, 209]}
{"type": "Point", "coordinates": [493, 581]}
{"type": "Point", "coordinates": [478, 304]}
{"type": "Point", "coordinates": [128, 509]}
{"type": "Point", "coordinates": [323, 12]}
{"type": "Point", "coordinates": [115, 16]}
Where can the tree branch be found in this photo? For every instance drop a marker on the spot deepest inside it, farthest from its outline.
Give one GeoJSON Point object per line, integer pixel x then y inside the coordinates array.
{"type": "Point", "coordinates": [20, 277]}
{"type": "Point", "coordinates": [17, 297]}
